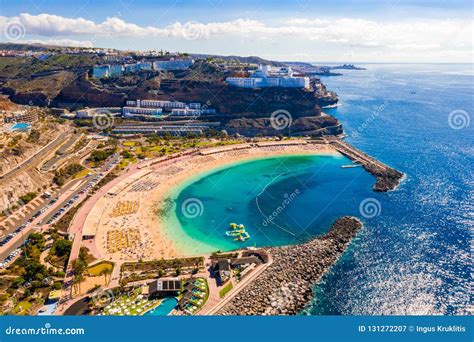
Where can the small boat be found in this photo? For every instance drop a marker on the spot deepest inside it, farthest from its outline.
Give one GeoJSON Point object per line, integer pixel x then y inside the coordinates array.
{"type": "Point", "coordinates": [350, 166]}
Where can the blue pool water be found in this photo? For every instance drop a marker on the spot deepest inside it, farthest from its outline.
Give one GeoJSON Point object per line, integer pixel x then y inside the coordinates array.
{"type": "Point", "coordinates": [20, 127]}
{"type": "Point", "coordinates": [49, 309]}
{"type": "Point", "coordinates": [165, 307]}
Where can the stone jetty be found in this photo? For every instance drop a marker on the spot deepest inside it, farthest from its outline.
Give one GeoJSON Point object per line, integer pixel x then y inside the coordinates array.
{"type": "Point", "coordinates": [285, 287]}
{"type": "Point", "coordinates": [387, 178]}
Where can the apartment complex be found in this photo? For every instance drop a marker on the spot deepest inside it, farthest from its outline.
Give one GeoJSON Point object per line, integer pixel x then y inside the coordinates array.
{"type": "Point", "coordinates": [19, 116]}
{"type": "Point", "coordinates": [267, 76]}
{"type": "Point", "coordinates": [116, 70]}
{"type": "Point", "coordinates": [139, 111]}
{"type": "Point", "coordinates": [177, 64]}
{"type": "Point", "coordinates": [172, 108]}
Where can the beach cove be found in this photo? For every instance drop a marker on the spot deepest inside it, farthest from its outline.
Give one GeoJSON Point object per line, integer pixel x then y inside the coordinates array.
{"type": "Point", "coordinates": [173, 223]}
{"type": "Point", "coordinates": [281, 200]}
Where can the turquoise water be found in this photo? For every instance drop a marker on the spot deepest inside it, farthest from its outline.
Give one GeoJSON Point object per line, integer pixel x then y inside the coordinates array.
{"type": "Point", "coordinates": [20, 127]}
{"type": "Point", "coordinates": [413, 256]}
{"type": "Point", "coordinates": [283, 200]}
{"type": "Point", "coordinates": [165, 307]}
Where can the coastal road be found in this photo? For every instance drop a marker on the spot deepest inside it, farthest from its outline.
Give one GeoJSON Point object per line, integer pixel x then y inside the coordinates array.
{"type": "Point", "coordinates": [60, 152]}
{"type": "Point", "coordinates": [65, 195]}
{"type": "Point", "coordinates": [19, 239]}
{"type": "Point", "coordinates": [25, 214]}
{"type": "Point", "coordinates": [77, 224]}
{"type": "Point", "coordinates": [211, 310]}
{"type": "Point", "coordinates": [37, 158]}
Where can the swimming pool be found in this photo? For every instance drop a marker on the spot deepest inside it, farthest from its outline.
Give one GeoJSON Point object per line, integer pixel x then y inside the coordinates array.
{"type": "Point", "coordinates": [165, 307]}
{"type": "Point", "coordinates": [20, 127]}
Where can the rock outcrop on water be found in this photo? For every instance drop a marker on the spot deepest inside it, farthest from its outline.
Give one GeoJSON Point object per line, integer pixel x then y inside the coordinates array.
{"type": "Point", "coordinates": [387, 178]}
{"type": "Point", "coordinates": [285, 287]}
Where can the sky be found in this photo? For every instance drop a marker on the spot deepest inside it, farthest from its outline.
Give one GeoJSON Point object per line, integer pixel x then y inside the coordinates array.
{"type": "Point", "coordinates": [386, 31]}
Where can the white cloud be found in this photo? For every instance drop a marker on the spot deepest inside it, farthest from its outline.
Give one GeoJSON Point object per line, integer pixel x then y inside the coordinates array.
{"type": "Point", "coordinates": [58, 42]}
{"type": "Point", "coordinates": [431, 36]}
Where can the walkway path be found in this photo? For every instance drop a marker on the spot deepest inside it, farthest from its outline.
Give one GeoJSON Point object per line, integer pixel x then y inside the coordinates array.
{"type": "Point", "coordinates": [38, 156]}
{"type": "Point", "coordinates": [115, 276]}
{"type": "Point", "coordinates": [215, 303]}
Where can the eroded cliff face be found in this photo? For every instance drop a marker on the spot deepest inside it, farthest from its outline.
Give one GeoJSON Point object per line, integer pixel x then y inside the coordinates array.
{"type": "Point", "coordinates": [204, 83]}
{"type": "Point", "coordinates": [240, 102]}
{"type": "Point", "coordinates": [84, 93]}
{"type": "Point", "coordinates": [227, 100]}
{"type": "Point", "coordinates": [314, 126]}
{"type": "Point", "coordinates": [38, 91]}
{"type": "Point", "coordinates": [15, 148]}
{"type": "Point", "coordinates": [21, 184]}
{"type": "Point", "coordinates": [241, 110]}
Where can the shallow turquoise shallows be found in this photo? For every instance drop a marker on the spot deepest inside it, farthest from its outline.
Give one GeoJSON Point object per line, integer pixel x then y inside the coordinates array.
{"type": "Point", "coordinates": [165, 307]}
{"type": "Point", "coordinates": [280, 200]}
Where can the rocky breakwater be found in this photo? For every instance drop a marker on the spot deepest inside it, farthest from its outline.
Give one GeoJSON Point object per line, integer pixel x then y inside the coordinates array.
{"type": "Point", "coordinates": [285, 287]}
{"type": "Point", "coordinates": [387, 178]}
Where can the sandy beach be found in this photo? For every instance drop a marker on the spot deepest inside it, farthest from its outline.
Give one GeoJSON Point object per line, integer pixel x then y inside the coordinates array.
{"type": "Point", "coordinates": [125, 223]}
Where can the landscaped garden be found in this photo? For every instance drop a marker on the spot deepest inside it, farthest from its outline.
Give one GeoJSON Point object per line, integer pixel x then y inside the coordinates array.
{"type": "Point", "coordinates": [26, 284]}
{"type": "Point", "coordinates": [104, 267]}
{"type": "Point", "coordinates": [136, 271]}
{"type": "Point", "coordinates": [197, 296]}
{"type": "Point", "coordinates": [131, 303]}
{"type": "Point", "coordinates": [226, 289]}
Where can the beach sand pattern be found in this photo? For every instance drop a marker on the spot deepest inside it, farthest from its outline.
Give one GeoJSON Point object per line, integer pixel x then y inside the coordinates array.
{"type": "Point", "coordinates": [122, 240]}
{"type": "Point", "coordinates": [125, 208]}
{"type": "Point", "coordinates": [155, 240]}
{"type": "Point", "coordinates": [146, 185]}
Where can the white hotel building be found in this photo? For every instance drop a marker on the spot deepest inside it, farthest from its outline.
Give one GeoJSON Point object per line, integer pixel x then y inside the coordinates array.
{"type": "Point", "coordinates": [140, 111]}
{"type": "Point", "coordinates": [156, 107]}
{"type": "Point", "coordinates": [163, 104]}
{"type": "Point", "coordinates": [266, 76]}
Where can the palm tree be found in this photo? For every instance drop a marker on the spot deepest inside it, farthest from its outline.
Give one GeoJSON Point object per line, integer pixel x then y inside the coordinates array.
{"type": "Point", "coordinates": [77, 282]}
{"type": "Point", "coordinates": [106, 272]}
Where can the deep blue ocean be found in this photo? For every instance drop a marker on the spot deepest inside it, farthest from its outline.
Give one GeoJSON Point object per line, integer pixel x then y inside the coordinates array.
{"type": "Point", "coordinates": [413, 255]}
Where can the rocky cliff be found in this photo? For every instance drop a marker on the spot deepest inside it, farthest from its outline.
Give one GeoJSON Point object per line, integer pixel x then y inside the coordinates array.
{"type": "Point", "coordinates": [17, 147]}
{"type": "Point", "coordinates": [68, 86]}
{"type": "Point", "coordinates": [315, 126]}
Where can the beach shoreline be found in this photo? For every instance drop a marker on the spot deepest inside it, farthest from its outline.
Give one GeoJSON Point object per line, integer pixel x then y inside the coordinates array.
{"type": "Point", "coordinates": [183, 243]}
{"type": "Point", "coordinates": [161, 184]}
